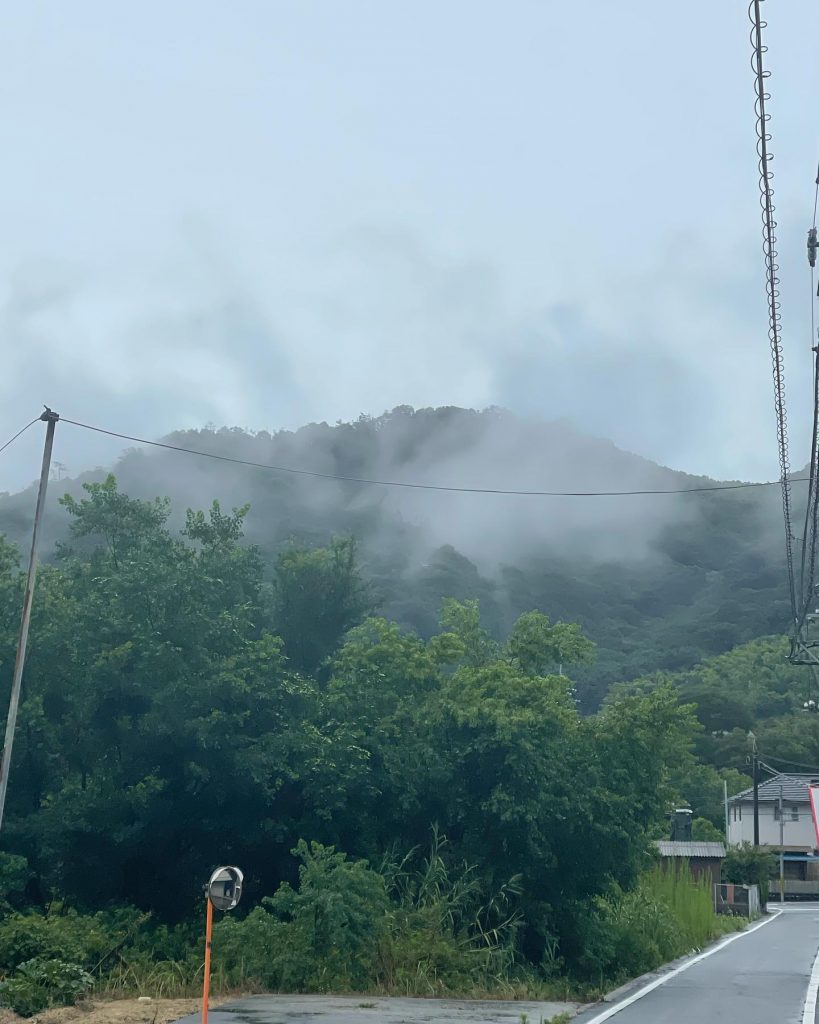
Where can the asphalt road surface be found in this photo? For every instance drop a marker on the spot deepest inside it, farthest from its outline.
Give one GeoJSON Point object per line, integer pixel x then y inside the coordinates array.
{"type": "Point", "coordinates": [759, 978]}
{"type": "Point", "coordinates": [376, 1010]}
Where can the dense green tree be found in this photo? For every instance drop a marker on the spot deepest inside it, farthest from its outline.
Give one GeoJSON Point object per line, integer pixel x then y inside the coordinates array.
{"type": "Point", "coordinates": [318, 595]}
{"type": "Point", "coordinates": [539, 646]}
{"type": "Point", "coordinates": [161, 717]}
{"type": "Point", "coordinates": [181, 707]}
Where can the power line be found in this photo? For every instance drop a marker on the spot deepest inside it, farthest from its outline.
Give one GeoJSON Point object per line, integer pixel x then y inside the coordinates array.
{"type": "Point", "coordinates": [422, 486]}
{"type": "Point", "coordinates": [11, 440]}
{"type": "Point", "coordinates": [793, 764]}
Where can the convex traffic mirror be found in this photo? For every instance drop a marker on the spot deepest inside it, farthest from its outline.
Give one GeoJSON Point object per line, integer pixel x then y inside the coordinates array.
{"type": "Point", "coordinates": [225, 888]}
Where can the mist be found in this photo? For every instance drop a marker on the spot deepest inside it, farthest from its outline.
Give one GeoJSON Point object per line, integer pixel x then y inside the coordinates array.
{"type": "Point", "coordinates": [447, 447]}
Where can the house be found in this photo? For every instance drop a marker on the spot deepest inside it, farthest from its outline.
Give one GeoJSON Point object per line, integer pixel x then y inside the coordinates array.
{"type": "Point", "coordinates": [703, 859]}
{"type": "Point", "coordinates": [799, 831]}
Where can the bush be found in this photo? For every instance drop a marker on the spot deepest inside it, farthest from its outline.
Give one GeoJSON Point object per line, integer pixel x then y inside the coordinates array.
{"type": "Point", "coordinates": [323, 936]}
{"type": "Point", "coordinates": [666, 915]}
{"type": "Point", "coordinates": [749, 865]}
{"type": "Point", "coordinates": [83, 939]}
{"type": "Point", "coordinates": [444, 934]}
{"type": "Point", "coordinates": [425, 931]}
{"type": "Point", "coordinates": [14, 874]}
{"type": "Point", "coordinates": [41, 982]}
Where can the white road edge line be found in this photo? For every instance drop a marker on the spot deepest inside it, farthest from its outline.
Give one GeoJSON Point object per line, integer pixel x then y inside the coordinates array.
{"type": "Point", "coordinates": [809, 1012]}
{"type": "Point", "coordinates": [610, 1012]}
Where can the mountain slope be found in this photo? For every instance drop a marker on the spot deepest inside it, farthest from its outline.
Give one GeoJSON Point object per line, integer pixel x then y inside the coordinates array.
{"type": "Point", "coordinates": [656, 581]}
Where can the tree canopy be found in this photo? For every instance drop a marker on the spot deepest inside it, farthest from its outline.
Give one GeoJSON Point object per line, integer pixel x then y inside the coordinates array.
{"type": "Point", "coordinates": [187, 703]}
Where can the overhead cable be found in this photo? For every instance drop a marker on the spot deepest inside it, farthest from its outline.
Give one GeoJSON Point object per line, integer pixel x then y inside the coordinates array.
{"type": "Point", "coordinates": [19, 433]}
{"type": "Point", "coordinates": [422, 486]}
{"type": "Point", "coordinates": [793, 764]}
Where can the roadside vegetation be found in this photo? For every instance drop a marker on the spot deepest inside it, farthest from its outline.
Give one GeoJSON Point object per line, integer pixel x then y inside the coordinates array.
{"type": "Point", "coordinates": [400, 930]}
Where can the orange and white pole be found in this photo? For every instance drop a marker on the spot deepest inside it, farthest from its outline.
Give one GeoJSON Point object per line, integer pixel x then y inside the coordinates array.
{"type": "Point", "coordinates": [208, 943]}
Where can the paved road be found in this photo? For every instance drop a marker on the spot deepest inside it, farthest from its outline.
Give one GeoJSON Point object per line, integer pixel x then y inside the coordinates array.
{"type": "Point", "coordinates": [373, 1010]}
{"type": "Point", "coordinates": [761, 978]}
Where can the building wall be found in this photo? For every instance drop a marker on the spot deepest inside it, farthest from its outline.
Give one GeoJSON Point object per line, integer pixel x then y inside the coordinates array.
{"type": "Point", "coordinates": [799, 831]}
{"type": "Point", "coordinates": [709, 868]}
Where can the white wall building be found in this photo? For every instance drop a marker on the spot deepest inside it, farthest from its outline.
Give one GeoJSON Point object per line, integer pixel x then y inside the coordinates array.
{"type": "Point", "coordinates": [799, 833]}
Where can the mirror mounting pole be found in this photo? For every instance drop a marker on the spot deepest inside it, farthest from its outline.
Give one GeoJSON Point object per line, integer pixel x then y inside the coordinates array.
{"type": "Point", "coordinates": [208, 944]}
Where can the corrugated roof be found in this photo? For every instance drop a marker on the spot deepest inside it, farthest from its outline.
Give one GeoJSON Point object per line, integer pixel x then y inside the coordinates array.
{"type": "Point", "coordinates": [794, 790]}
{"type": "Point", "coordinates": [672, 848]}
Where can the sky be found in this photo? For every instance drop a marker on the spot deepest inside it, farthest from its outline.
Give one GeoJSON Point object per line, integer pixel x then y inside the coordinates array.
{"type": "Point", "coordinates": [266, 213]}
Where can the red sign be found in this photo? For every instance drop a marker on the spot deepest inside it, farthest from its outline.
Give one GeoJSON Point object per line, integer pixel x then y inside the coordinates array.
{"type": "Point", "coordinates": [813, 793]}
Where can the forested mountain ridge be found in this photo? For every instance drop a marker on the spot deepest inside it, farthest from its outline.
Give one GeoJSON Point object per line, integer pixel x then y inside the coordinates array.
{"type": "Point", "coordinates": [752, 688]}
{"type": "Point", "coordinates": [658, 582]}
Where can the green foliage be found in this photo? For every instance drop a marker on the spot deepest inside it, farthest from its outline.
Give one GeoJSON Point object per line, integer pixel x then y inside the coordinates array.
{"type": "Point", "coordinates": [318, 595]}
{"type": "Point", "coordinates": [184, 706]}
{"type": "Point", "coordinates": [706, 831]}
{"type": "Point", "coordinates": [14, 875]}
{"type": "Point", "coordinates": [446, 934]}
{"type": "Point", "coordinates": [749, 865]}
{"type": "Point", "coordinates": [40, 983]}
{"type": "Point", "coordinates": [703, 577]}
{"type": "Point", "coordinates": [463, 620]}
{"type": "Point", "coordinates": [667, 914]}
{"type": "Point", "coordinates": [418, 929]}
{"type": "Point", "coordinates": [539, 647]}
{"type": "Point", "coordinates": [335, 921]}
{"type": "Point", "coordinates": [323, 936]}
{"type": "Point", "coordinates": [84, 939]}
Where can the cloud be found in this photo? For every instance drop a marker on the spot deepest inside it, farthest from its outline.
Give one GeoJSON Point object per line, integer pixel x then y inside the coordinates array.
{"type": "Point", "coordinates": [659, 362]}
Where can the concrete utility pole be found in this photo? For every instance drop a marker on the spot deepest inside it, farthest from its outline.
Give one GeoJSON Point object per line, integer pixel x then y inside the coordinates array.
{"type": "Point", "coordinates": [781, 848]}
{"type": "Point", "coordinates": [50, 418]}
{"type": "Point", "coordinates": [755, 764]}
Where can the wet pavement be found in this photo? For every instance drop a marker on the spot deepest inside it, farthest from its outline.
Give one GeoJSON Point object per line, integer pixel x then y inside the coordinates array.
{"type": "Point", "coordinates": [762, 976]}
{"type": "Point", "coordinates": [366, 1009]}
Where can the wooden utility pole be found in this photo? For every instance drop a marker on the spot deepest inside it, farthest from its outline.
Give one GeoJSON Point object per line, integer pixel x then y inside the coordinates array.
{"type": "Point", "coordinates": [50, 418]}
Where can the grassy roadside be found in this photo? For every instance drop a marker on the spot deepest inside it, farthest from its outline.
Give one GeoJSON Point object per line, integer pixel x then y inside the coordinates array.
{"type": "Point", "coordinates": [433, 945]}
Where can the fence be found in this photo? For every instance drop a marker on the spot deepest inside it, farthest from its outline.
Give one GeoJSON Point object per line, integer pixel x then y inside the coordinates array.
{"type": "Point", "coordinates": [738, 900]}
{"type": "Point", "coordinates": [796, 889]}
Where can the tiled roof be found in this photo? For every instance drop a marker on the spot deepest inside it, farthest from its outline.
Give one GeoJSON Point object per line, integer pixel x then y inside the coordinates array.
{"type": "Point", "coordinates": [794, 790]}
{"type": "Point", "coordinates": [669, 848]}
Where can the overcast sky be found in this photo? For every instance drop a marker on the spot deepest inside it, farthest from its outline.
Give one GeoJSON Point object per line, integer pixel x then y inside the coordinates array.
{"type": "Point", "coordinates": [262, 213]}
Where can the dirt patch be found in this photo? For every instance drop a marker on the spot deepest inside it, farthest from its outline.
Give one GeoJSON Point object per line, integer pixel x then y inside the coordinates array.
{"type": "Point", "coordinates": [115, 1011]}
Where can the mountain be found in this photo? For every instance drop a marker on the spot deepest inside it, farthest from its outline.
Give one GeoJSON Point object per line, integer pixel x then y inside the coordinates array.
{"type": "Point", "coordinates": [658, 581]}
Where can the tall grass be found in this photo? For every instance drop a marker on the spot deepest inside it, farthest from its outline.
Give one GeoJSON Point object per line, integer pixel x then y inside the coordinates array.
{"type": "Point", "coordinates": [669, 913]}
{"type": "Point", "coordinates": [690, 902]}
